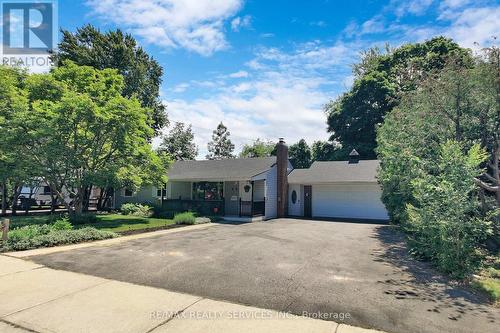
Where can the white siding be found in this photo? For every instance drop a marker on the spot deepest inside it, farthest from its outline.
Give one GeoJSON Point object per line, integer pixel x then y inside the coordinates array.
{"type": "Point", "coordinates": [271, 193]}
{"type": "Point", "coordinates": [245, 196]}
{"type": "Point", "coordinates": [348, 201]}
{"type": "Point", "coordinates": [176, 190]}
{"type": "Point", "coordinates": [297, 208]}
{"type": "Point", "coordinates": [259, 190]}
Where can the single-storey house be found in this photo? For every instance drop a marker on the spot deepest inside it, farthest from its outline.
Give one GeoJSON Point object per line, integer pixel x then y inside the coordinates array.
{"type": "Point", "coordinates": [237, 188]}
{"type": "Point", "coordinates": [253, 189]}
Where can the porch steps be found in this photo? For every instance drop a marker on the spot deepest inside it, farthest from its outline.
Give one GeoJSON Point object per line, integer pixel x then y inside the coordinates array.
{"type": "Point", "coordinates": [243, 218]}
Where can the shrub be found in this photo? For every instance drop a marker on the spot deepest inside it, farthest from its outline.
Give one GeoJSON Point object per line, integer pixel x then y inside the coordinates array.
{"type": "Point", "coordinates": [444, 225]}
{"type": "Point", "coordinates": [47, 237]}
{"type": "Point", "coordinates": [136, 209]}
{"type": "Point", "coordinates": [28, 232]}
{"type": "Point", "coordinates": [62, 224]}
{"type": "Point", "coordinates": [185, 218]}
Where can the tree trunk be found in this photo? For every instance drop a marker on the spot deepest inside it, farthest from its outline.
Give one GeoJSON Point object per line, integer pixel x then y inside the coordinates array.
{"type": "Point", "coordinates": [86, 201]}
{"type": "Point", "coordinates": [78, 200]}
{"type": "Point", "coordinates": [52, 202]}
{"type": "Point", "coordinates": [4, 197]}
{"type": "Point", "coordinates": [15, 197]}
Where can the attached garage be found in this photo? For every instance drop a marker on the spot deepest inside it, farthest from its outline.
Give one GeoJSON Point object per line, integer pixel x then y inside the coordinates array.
{"type": "Point", "coordinates": [348, 201]}
{"type": "Point", "coordinates": [339, 189]}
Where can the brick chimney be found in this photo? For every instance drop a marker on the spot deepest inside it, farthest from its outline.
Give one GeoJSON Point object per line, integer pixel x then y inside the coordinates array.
{"type": "Point", "coordinates": [282, 166]}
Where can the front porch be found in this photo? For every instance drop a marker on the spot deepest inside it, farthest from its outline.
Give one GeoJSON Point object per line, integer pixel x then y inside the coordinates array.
{"type": "Point", "coordinates": [232, 200]}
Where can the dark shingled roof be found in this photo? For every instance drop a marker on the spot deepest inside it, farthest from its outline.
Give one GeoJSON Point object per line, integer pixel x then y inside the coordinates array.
{"type": "Point", "coordinates": [218, 170]}
{"type": "Point", "coordinates": [336, 172]}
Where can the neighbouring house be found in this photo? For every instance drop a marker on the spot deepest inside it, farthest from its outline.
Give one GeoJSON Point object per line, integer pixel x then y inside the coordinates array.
{"type": "Point", "coordinates": [39, 194]}
{"type": "Point", "coordinates": [254, 189]}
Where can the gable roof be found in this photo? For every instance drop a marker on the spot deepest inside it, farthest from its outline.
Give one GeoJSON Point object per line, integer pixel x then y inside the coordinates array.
{"type": "Point", "coordinates": [220, 170]}
{"type": "Point", "coordinates": [336, 172]}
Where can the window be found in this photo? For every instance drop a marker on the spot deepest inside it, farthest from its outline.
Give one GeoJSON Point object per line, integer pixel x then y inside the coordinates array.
{"type": "Point", "coordinates": [162, 192]}
{"type": "Point", "coordinates": [128, 193]}
{"type": "Point", "coordinates": [207, 191]}
{"type": "Point", "coordinates": [46, 190]}
{"type": "Point", "coordinates": [294, 197]}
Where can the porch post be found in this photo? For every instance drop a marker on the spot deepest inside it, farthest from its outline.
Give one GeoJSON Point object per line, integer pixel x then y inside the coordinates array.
{"type": "Point", "coordinates": [251, 210]}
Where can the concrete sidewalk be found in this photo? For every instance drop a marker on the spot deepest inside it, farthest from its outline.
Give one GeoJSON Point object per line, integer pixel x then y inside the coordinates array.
{"type": "Point", "coordinates": [35, 298]}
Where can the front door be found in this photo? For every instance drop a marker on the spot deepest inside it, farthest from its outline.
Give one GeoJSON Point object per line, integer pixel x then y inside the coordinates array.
{"type": "Point", "coordinates": [231, 198]}
{"type": "Point", "coordinates": [308, 201]}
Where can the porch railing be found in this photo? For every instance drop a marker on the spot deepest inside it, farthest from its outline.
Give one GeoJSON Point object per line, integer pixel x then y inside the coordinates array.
{"type": "Point", "coordinates": [252, 208]}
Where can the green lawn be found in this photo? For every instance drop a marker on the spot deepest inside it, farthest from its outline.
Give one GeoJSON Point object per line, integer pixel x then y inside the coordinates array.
{"type": "Point", "coordinates": [121, 223]}
{"type": "Point", "coordinates": [489, 282]}
{"type": "Point", "coordinates": [109, 222]}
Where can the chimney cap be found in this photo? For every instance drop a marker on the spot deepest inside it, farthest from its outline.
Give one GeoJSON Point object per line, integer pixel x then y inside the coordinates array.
{"type": "Point", "coordinates": [354, 153]}
{"type": "Point", "coordinates": [281, 140]}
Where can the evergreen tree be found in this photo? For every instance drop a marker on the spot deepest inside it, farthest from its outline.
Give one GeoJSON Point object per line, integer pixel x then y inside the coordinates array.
{"type": "Point", "coordinates": [300, 155]}
{"type": "Point", "coordinates": [179, 143]}
{"type": "Point", "coordinates": [221, 146]}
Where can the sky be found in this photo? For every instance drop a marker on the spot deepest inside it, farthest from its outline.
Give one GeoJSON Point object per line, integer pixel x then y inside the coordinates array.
{"type": "Point", "coordinates": [267, 68]}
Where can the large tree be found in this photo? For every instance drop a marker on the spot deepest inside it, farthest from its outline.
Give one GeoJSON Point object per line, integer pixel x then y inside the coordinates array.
{"type": "Point", "coordinates": [258, 148]}
{"type": "Point", "coordinates": [179, 143]}
{"type": "Point", "coordinates": [221, 146]}
{"type": "Point", "coordinates": [439, 152]}
{"type": "Point", "coordinates": [300, 155]}
{"type": "Point", "coordinates": [142, 74]}
{"type": "Point", "coordinates": [380, 78]}
{"type": "Point", "coordinates": [80, 130]}
{"type": "Point", "coordinates": [14, 171]}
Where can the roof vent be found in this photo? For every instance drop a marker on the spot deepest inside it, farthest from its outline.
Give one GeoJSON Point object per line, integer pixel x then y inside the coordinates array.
{"type": "Point", "coordinates": [354, 157]}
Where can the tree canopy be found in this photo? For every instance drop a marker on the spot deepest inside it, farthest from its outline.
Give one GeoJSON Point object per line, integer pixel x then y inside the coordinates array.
{"type": "Point", "coordinates": [221, 146]}
{"type": "Point", "coordinates": [14, 171]}
{"type": "Point", "coordinates": [258, 148]}
{"type": "Point", "coordinates": [380, 78]}
{"type": "Point", "coordinates": [80, 131]}
{"type": "Point", "coordinates": [300, 155]}
{"type": "Point", "coordinates": [440, 155]}
{"type": "Point", "coordinates": [179, 143]}
{"type": "Point", "coordinates": [142, 74]}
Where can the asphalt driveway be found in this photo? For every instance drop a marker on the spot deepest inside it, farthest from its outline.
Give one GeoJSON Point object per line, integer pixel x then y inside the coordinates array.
{"type": "Point", "coordinates": [357, 271]}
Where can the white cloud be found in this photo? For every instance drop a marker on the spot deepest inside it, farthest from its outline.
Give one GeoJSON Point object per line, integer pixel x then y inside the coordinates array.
{"type": "Point", "coordinates": [240, 22]}
{"type": "Point", "coordinates": [282, 96]}
{"type": "Point", "coordinates": [320, 24]}
{"type": "Point", "coordinates": [267, 35]}
{"type": "Point", "coordinates": [196, 25]}
{"type": "Point", "coordinates": [239, 74]}
{"type": "Point", "coordinates": [373, 25]}
{"type": "Point", "coordinates": [475, 25]}
{"type": "Point", "coordinates": [402, 8]}
{"type": "Point", "coordinates": [180, 88]}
